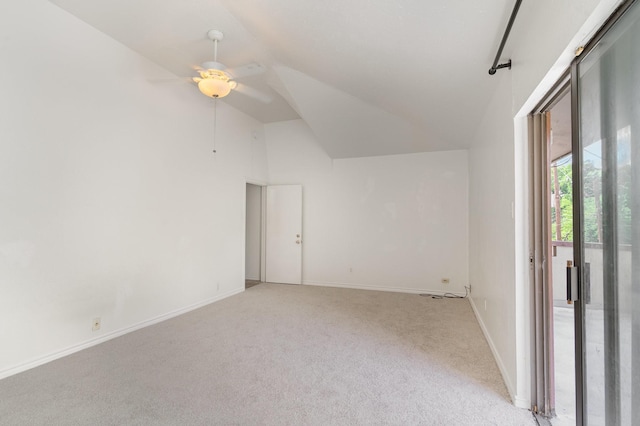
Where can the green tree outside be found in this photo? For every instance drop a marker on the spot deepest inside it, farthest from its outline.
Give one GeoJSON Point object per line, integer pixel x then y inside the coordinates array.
{"type": "Point", "coordinates": [592, 187]}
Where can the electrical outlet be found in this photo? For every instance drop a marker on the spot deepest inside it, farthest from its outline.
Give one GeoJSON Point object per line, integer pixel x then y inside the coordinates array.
{"type": "Point", "coordinates": [445, 281]}
{"type": "Point", "coordinates": [96, 324]}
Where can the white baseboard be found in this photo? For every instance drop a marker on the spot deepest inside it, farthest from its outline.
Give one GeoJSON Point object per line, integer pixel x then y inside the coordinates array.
{"type": "Point", "coordinates": [111, 335]}
{"type": "Point", "coordinates": [380, 288]}
{"type": "Point", "coordinates": [517, 401]}
{"type": "Point", "coordinates": [522, 402]}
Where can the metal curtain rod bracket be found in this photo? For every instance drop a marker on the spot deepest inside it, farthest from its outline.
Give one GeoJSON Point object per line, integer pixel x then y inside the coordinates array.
{"type": "Point", "coordinates": [495, 67]}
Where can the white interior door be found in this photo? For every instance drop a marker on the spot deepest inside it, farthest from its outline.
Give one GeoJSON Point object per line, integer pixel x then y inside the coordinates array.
{"type": "Point", "coordinates": [284, 234]}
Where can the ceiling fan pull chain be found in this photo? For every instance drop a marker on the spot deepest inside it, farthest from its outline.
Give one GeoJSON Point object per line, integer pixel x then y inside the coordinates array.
{"type": "Point", "coordinates": [215, 121]}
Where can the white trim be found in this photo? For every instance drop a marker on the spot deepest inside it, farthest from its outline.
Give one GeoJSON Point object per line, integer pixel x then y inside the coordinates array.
{"type": "Point", "coordinates": [112, 335]}
{"type": "Point", "coordinates": [521, 402]}
{"type": "Point", "coordinates": [380, 288]}
{"type": "Point", "coordinates": [263, 233]}
{"type": "Point", "coordinates": [523, 338]}
{"type": "Point", "coordinates": [256, 182]}
{"type": "Point", "coordinates": [517, 400]}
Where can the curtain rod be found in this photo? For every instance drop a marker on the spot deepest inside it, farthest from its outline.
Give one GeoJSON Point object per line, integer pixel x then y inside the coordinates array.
{"type": "Point", "coordinates": [495, 67]}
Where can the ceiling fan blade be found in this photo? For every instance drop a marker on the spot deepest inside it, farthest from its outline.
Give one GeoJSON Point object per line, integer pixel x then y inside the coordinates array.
{"type": "Point", "coordinates": [253, 68]}
{"type": "Point", "coordinates": [177, 80]}
{"type": "Point", "coordinates": [253, 93]}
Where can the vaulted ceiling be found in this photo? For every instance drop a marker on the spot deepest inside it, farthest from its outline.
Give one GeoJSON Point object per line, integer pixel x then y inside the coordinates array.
{"type": "Point", "coordinates": [369, 77]}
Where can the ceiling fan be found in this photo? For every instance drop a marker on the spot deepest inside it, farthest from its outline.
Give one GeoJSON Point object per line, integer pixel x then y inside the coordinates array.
{"type": "Point", "coordinates": [217, 81]}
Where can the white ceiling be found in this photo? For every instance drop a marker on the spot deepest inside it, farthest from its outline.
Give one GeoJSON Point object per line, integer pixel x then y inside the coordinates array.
{"type": "Point", "coordinates": [370, 77]}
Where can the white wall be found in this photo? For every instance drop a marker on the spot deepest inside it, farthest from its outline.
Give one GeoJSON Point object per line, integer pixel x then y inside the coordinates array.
{"type": "Point", "coordinates": [253, 232]}
{"type": "Point", "coordinates": [390, 222]}
{"type": "Point", "coordinates": [545, 35]}
{"type": "Point", "coordinates": [112, 204]}
{"type": "Point", "coordinates": [492, 228]}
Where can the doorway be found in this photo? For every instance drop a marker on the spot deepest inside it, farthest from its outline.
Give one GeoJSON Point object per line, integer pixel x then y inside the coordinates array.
{"type": "Point", "coordinates": [602, 283]}
{"type": "Point", "coordinates": [553, 391]}
{"type": "Point", "coordinates": [253, 235]}
{"type": "Point", "coordinates": [561, 223]}
{"type": "Point", "coordinates": [273, 234]}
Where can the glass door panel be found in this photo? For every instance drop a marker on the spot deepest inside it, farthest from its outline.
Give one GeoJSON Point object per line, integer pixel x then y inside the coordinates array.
{"type": "Point", "coordinates": [609, 90]}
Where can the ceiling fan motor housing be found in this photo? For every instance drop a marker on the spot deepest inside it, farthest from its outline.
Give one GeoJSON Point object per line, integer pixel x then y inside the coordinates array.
{"type": "Point", "coordinates": [213, 65]}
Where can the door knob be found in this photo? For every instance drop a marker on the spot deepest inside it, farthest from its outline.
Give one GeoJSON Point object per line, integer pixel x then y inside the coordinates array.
{"type": "Point", "coordinates": [298, 241]}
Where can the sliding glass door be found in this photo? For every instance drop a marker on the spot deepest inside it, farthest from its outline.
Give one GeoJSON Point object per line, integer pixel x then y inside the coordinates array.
{"type": "Point", "coordinates": [609, 254]}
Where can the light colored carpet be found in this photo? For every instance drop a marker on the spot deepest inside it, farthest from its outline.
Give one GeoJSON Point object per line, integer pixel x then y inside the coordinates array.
{"type": "Point", "coordinates": [279, 355]}
{"type": "Point", "coordinates": [250, 283]}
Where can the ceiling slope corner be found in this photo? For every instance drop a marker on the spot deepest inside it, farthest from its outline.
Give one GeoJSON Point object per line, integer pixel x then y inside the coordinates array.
{"type": "Point", "coordinates": [346, 126]}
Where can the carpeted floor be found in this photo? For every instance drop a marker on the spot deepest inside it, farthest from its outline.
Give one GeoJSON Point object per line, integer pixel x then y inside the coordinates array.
{"type": "Point", "coordinates": [250, 283]}
{"type": "Point", "coordinates": [279, 355]}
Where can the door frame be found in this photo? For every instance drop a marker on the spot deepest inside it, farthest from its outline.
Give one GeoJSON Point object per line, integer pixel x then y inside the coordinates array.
{"type": "Point", "coordinates": [540, 251]}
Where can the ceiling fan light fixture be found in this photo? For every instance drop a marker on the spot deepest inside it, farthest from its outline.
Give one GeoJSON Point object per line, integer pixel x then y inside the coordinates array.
{"type": "Point", "coordinates": [215, 84]}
